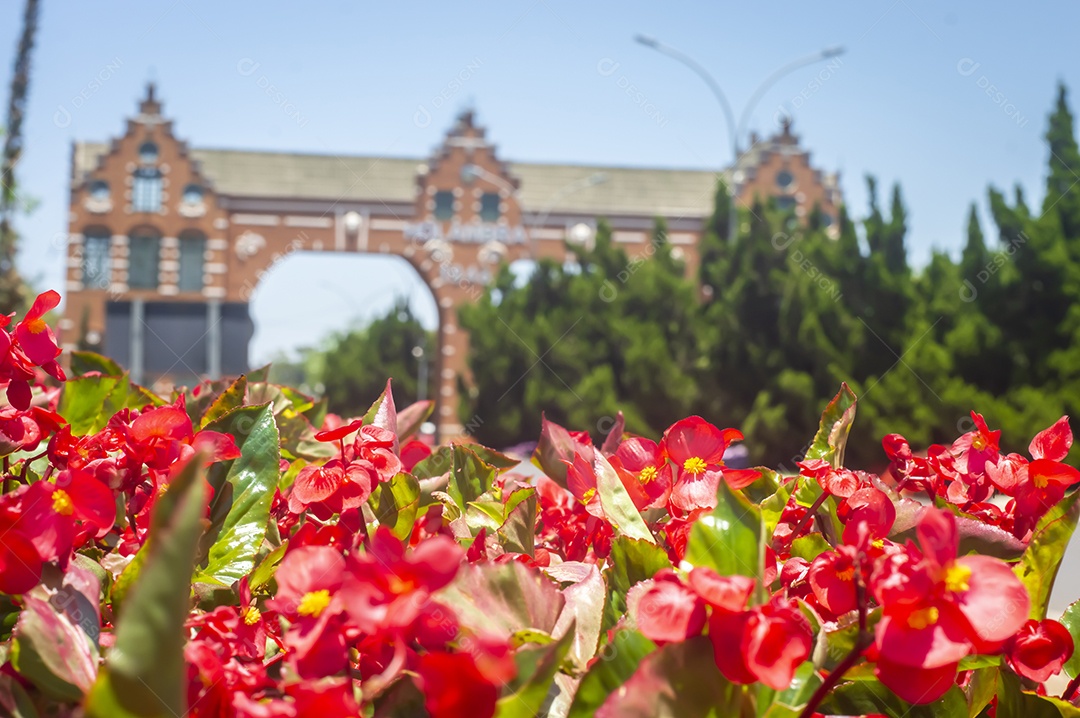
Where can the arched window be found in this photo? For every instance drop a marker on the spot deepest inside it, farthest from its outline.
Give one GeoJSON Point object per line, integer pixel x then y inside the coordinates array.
{"type": "Point", "coordinates": [146, 190]}
{"type": "Point", "coordinates": [192, 248]}
{"type": "Point", "coordinates": [148, 153]}
{"type": "Point", "coordinates": [489, 207]}
{"type": "Point", "coordinates": [144, 246]}
{"type": "Point", "coordinates": [96, 266]}
{"type": "Point", "coordinates": [444, 205]}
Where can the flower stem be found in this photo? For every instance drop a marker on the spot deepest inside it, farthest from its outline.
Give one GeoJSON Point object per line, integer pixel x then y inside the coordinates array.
{"type": "Point", "coordinates": [1070, 690]}
{"type": "Point", "coordinates": [810, 514]}
{"type": "Point", "coordinates": [861, 644]}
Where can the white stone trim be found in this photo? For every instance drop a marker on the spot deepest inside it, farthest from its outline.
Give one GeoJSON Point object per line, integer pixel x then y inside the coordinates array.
{"type": "Point", "coordinates": [168, 289]}
{"type": "Point", "coordinates": [214, 268]}
{"type": "Point", "coordinates": [261, 220]}
{"type": "Point", "coordinates": [545, 233]}
{"type": "Point", "coordinates": [219, 244]}
{"type": "Point", "coordinates": [168, 265]}
{"type": "Point", "coordinates": [170, 242]}
{"type": "Point", "coordinates": [118, 287]}
{"type": "Point", "coordinates": [628, 237]}
{"type": "Point", "coordinates": [307, 221]}
{"type": "Point", "coordinates": [73, 286]}
{"type": "Point", "coordinates": [682, 238]}
{"type": "Point", "coordinates": [390, 225]}
{"type": "Point", "coordinates": [217, 292]}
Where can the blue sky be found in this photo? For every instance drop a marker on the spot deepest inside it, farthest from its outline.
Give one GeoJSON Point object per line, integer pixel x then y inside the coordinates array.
{"type": "Point", "coordinates": [910, 101]}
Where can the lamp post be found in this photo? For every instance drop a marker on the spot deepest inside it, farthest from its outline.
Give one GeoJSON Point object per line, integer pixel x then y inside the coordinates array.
{"type": "Point", "coordinates": [735, 132]}
{"type": "Point", "coordinates": [421, 372]}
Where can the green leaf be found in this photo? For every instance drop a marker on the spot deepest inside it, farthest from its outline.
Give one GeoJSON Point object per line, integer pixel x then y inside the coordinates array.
{"type": "Point", "coordinates": [730, 539]}
{"type": "Point", "coordinates": [264, 572]}
{"type": "Point", "coordinates": [832, 434]}
{"type": "Point", "coordinates": [144, 674]}
{"type": "Point", "coordinates": [540, 666]}
{"type": "Point", "coordinates": [583, 615]}
{"type": "Point", "coordinates": [503, 598]}
{"type": "Point", "coordinates": [1014, 702]}
{"type": "Point", "coordinates": [87, 362]}
{"type": "Point", "coordinates": [52, 652]}
{"type": "Point", "coordinates": [245, 495]}
{"type": "Point", "coordinates": [1039, 565]}
{"type": "Point", "coordinates": [226, 401]}
{"type": "Point", "coordinates": [630, 561]}
{"type": "Point", "coordinates": [810, 546]}
{"type": "Point", "coordinates": [411, 417]}
{"type": "Point", "coordinates": [555, 446]}
{"type": "Point", "coordinates": [470, 476]}
{"type": "Point", "coordinates": [395, 503]}
{"type": "Point", "coordinates": [88, 402]}
{"type": "Point", "coordinates": [618, 661]}
{"type": "Point", "coordinates": [440, 462]}
{"type": "Point", "coordinates": [864, 697]}
{"type": "Point", "coordinates": [518, 531]}
{"type": "Point", "coordinates": [680, 680]}
{"type": "Point", "coordinates": [616, 502]}
{"type": "Point", "coordinates": [788, 702]}
{"type": "Point", "coordinates": [383, 413]}
{"type": "Point", "coordinates": [1071, 620]}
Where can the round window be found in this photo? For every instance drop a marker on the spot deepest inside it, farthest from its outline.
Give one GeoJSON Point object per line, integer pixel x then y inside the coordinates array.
{"type": "Point", "coordinates": [193, 194]}
{"type": "Point", "coordinates": [784, 179]}
{"type": "Point", "coordinates": [99, 190]}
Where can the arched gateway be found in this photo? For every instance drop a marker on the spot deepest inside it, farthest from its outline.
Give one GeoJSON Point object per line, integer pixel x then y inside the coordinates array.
{"type": "Point", "coordinates": [168, 243]}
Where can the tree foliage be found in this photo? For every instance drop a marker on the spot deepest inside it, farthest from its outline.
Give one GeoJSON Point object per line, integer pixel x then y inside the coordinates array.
{"type": "Point", "coordinates": [790, 309]}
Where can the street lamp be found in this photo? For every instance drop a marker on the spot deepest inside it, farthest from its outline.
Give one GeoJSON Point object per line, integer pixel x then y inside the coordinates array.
{"type": "Point", "coordinates": [735, 132]}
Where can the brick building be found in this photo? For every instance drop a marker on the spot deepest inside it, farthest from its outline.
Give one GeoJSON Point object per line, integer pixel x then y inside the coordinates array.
{"type": "Point", "coordinates": [167, 243]}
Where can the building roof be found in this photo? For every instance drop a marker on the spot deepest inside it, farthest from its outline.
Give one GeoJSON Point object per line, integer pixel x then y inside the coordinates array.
{"type": "Point", "coordinates": [544, 187]}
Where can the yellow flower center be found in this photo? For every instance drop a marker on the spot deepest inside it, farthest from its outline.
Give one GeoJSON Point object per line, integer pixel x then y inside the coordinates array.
{"type": "Point", "coordinates": [847, 574]}
{"type": "Point", "coordinates": [978, 443]}
{"type": "Point", "coordinates": [956, 578]}
{"type": "Point", "coordinates": [695, 465]}
{"type": "Point", "coordinates": [647, 474]}
{"type": "Point", "coordinates": [252, 615]}
{"type": "Point", "coordinates": [61, 503]}
{"type": "Point", "coordinates": [400, 586]}
{"type": "Point", "coordinates": [587, 496]}
{"type": "Point", "coordinates": [924, 617]}
{"type": "Point", "coordinates": [1040, 481]}
{"type": "Point", "coordinates": [313, 603]}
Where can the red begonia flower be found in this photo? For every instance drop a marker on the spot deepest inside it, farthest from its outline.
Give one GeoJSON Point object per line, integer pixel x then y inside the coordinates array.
{"type": "Point", "coordinates": [667, 611]}
{"type": "Point", "coordinates": [872, 507]}
{"type": "Point", "coordinates": [765, 644]}
{"type": "Point", "coordinates": [1052, 443]}
{"type": "Point", "coordinates": [35, 337]}
{"type": "Point", "coordinates": [1039, 649]}
{"type": "Point", "coordinates": [644, 470]}
{"type": "Point", "coordinates": [697, 448]}
{"type": "Point", "coordinates": [454, 686]}
{"type": "Point", "coordinates": [339, 432]}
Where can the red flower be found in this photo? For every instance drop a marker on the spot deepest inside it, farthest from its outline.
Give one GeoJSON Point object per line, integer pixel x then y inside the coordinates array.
{"type": "Point", "coordinates": [870, 507]}
{"type": "Point", "coordinates": [665, 610]}
{"type": "Point", "coordinates": [20, 563]}
{"type": "Point", "coordinates": [1039, 649]}
{"type": "Point", "coordinates": [697, 449]}
{"type": "Point", "coordinates": [644, 471]}
{"type": "Point", "coordinates": [309, 594]}
{"type": "Point", "coordinates": [332, 488]}
{"type": "Point", "coordinates": [34, 335]}
{"type": "Point", "coordinates": [838, 482]}
{"type": "Point", "coordinates": [413, 453]}
{"type": "Point", "coordinates": [765, 644]}
{"type": "Point", "coordinates": [938, 608]}
{"type": "Point", "coordinates": [388, 587]}
{"type": "Point", "coordinates": [454, 686]}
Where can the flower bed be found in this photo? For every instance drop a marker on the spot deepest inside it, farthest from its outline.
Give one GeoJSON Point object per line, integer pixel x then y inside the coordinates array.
{"type": "Point", "coordinates": [234, 551]}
